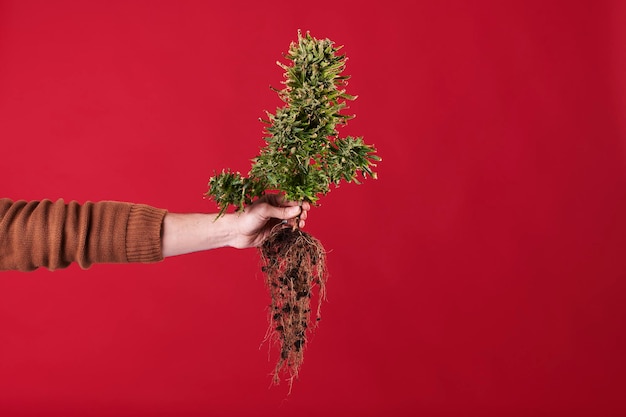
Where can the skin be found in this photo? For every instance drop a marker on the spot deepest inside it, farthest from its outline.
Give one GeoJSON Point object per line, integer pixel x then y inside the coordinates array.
{"type": "Point", "coordinates": [186, 233]}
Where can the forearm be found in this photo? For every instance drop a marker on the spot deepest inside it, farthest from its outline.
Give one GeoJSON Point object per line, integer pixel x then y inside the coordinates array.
{"type": "Point", "coordinates": [187, 233]}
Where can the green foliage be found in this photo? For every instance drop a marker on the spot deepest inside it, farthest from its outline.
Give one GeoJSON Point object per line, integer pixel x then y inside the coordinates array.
{"type": "Point", "coordinates": [304, 153]}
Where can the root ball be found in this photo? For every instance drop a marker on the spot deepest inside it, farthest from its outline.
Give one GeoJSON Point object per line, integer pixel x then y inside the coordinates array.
{"type": "Point", "coordinates": [294, 263]}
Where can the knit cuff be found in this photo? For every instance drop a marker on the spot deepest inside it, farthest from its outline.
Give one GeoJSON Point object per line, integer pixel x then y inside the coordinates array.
{"type": "Point", "coordinates": [143, 234]}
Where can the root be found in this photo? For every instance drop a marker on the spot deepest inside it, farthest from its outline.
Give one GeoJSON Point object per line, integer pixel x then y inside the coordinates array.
{"type": "Point", "coordinates": [294, 263]}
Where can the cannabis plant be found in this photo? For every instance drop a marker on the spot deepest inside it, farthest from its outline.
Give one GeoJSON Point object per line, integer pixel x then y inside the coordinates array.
{"type": "Point", "coordinates": [303, 156]}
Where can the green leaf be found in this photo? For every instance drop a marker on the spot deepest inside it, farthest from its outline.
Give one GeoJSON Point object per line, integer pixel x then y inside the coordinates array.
{"type": "Point", "coordinates": [303, 154]}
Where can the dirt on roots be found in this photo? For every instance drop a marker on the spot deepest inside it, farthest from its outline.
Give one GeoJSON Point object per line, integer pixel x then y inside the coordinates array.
{"type": "Point", "coordinates": [294, 264]}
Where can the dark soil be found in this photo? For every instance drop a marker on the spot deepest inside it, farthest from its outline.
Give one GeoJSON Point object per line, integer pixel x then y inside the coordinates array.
{"type": "Point", "coordinates": [294, 265]}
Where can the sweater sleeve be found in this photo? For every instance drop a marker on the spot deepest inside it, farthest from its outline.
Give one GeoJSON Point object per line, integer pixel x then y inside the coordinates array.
{"type": "Point", "coordinates": [50, 234]}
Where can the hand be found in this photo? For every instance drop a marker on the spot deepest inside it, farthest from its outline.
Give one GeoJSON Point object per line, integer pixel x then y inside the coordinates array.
{"type": "Point", "coordinates": [257, 221]}
{"type": "Point", "coordinates": [191, 232]}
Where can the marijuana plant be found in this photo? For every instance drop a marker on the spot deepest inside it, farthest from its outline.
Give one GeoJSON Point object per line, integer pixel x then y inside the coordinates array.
{"type": "Point", "coordinates": [303, 156]}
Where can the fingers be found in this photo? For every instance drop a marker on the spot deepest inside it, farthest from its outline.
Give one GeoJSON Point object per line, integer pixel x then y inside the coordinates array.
{"type": "Point", "coordinates": [292, 222]}
{"type": "Point", "coordinates": [275, 206]}
{"type": "Point", "coordinates": [282, 213]}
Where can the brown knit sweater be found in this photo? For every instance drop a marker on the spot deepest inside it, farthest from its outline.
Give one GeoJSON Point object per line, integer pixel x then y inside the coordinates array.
{"type": "Point", "coordinates": [50, 234]}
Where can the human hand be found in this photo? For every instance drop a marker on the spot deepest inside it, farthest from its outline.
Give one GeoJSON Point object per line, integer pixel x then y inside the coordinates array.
{"type": "Point", "coordinates": [192, 232]}
{"type": "Point", "coordinates": [254, 224]}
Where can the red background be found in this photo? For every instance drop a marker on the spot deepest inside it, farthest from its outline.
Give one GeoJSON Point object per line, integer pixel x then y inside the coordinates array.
{"type": "Point", "coordinates": [484, 273]}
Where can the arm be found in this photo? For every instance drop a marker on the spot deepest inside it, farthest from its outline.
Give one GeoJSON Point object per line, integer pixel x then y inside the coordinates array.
{"type": "Point", "coordinates": [186, 233]}
{"type": "Point", "coordinates": [54, 234]}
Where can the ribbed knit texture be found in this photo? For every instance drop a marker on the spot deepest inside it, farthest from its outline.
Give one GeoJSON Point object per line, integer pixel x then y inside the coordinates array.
{"type": "Point", "coordinates": [50, 234]}
{"type": "Point", "coordinates": [143, 239]}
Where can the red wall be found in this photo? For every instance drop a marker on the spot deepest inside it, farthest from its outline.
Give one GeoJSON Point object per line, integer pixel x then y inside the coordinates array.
{"type": "Point", "coordinates": [484, 273]}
